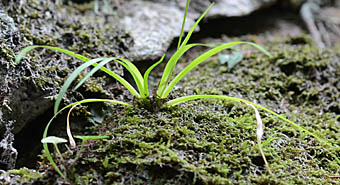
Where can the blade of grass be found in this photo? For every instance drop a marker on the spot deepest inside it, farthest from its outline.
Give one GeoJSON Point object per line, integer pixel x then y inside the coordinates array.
{"type": "Point", "coordinates": [95, 69]}
{"type": "Point", "coordinates": [200, 59]}
{"type": "Point", "coordinates": [114, 75]}
{"type": "Point", "coordinates": [47, 152]}
{"type": "Point", "coordinates": [70, 79]}
{"type": "Point", "coordinates": [78, 70]}
{"type": "Point", "coordinates": [137, 76]}
{"type": "Point", "coordinates": [183, 24]}
{"type": "Point", "coordinates": [146, 76]}
{"type": "Point", "coordinates": [171, 65]}
{"type": "Point", "coordinates": [23, 52]}
{"type": "Point", "coordinates": [196, 23]}
{"type": "Point", "coordinates": [168, 70]}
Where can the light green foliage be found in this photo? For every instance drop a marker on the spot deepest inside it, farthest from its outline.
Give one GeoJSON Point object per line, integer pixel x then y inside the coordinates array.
{"type": "Point", "coordinates": [231, 59]}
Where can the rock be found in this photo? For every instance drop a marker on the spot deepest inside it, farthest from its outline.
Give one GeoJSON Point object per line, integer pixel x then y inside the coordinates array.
{"type": "Point", "coordinates": [152, 27]}
{"type": "Point", "coordinates": [154, 24]}
{"type": "Point", "coordinates": [8, 27]}
{"type": "Point", "coordinates": [232, 8]}
{"type": "Point", "coordinates": [8, 153]}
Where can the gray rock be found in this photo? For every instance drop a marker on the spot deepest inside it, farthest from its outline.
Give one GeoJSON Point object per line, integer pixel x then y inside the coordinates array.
{"type": "Point", "coordinates": [154, 24]}
{"type": "Point", "coordinates": [7, 26]}
{"type": "Point", "coordinates": [232, 8]}
{"type": "Point", "coordinates": [8, 154]}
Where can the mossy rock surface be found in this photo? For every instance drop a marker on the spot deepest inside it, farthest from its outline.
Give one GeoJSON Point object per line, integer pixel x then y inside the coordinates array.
{"type": "Point", "coordinates": [214, 141]}
{"type": "Point", "coordinates": [28, 89]}
{"type": "Point", "coordinates": [41, 73]}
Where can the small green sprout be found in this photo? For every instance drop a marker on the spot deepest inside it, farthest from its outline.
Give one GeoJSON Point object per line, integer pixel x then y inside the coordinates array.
{"type": "Point", "coordinates": [337, 118]}
{"type": "Point", "coordinates": [55, 141]}
{"type": "Point", "coordinates": [84, 140]}
{"type": "Point", "coordinates": [272, 138]}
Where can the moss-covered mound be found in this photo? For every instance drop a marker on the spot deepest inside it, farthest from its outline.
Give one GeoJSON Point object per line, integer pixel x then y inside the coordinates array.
{"type": "Point", "coordinates": [214, 142]}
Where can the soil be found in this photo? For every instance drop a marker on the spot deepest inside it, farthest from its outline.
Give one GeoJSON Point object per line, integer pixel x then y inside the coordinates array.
{"type": "Point", "coordinates": [214, 141]}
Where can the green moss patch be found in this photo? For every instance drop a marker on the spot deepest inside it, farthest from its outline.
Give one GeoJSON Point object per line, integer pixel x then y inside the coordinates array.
{"type": "Point", "coordinates": [214, 141]}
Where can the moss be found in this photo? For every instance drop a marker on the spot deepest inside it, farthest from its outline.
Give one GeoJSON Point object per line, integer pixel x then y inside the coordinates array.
{"type": "Point", "coordinates": [42, 72]}
{"type": "Point", "coordinates": [213, 142]}
{"type": "Point", "coordinates": [21, 176]}
{"type": "Point", "coordinates": [43, 23]}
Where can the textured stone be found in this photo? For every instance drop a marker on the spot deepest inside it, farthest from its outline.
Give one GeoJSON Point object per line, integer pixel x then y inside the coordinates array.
{"type": "Point", "coordinates": [154, 24]}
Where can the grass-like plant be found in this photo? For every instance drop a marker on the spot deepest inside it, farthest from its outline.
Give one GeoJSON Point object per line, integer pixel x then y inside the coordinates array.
{"type": "Point", "coordinates": [142, 94]}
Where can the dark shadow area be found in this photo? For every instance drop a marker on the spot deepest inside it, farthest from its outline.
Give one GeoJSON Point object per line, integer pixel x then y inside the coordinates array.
{"type": "Point", "coordinates": [28, 141]}
{"type": "Point", "coordinates": [258, 22]}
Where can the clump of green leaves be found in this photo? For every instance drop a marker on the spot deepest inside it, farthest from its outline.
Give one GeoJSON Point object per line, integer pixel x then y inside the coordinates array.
{"type": "Point", "coordinates": [142, 94]}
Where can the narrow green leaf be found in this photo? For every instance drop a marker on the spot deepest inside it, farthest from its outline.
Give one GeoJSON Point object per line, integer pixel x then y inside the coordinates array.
{"type": "Point", "coordinates": [85, 138]}
{"type": "Point", "coordinates": [78, 70]}
{"type": "Point", "coordinates": [183, 24]}
{"type": "Point", "coordinates": [23, 52]}
{"type": "Point", "coordinates": [196, 23]}
{"type": "Point", "coordinates": [172, 62]}
{"type": "Point", "coordinates": [259, 48]}
{"type": "Point", "coordinates": [111, 73]}
{"type": "Point", "coordinates": [199, 60]}
{"type": "Point", "coordinates": [84, 59]}
{"type": "Point", "coordinates": [137, 76]}
{"type": "Point", "coordinates": [70, 79]}
{"type": "Point", "coordinates": [171, 65]}
{"type": "Point", "coordinates": [194, 63]}
{"type": "Point", "coordinates": [95, 69]}
{"type": "Point", "coordinates": [146, 76]}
